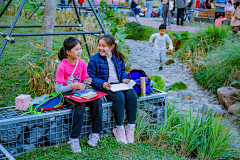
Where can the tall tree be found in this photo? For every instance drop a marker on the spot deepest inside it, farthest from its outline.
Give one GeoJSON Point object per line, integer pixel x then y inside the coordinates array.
{"type": "Point", "coordinates": [48, 21]}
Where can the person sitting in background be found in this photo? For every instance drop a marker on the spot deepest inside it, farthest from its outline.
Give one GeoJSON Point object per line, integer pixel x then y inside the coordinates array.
{"type": "Point", "coordinates": [212, 5]}
{"type": "Point", "coordinates": [135, 8]}
{"type": "Point", "coordinates": [219, 20]}
{"type": "Point", "coordinates": [208, 5]}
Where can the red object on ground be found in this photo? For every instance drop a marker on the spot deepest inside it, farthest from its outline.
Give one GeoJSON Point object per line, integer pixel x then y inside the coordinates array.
{"type": "Point", "coordinates": [83, 100]}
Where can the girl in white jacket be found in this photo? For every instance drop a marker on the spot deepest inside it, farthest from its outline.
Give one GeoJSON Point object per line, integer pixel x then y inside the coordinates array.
{"type": "Point", "coordinates": [160, 44]}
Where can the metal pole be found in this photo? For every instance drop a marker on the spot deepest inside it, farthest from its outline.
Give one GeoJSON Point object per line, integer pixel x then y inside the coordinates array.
{"type": "Point", "coordinates": [54, 33]}
{"type": "Point", "coordinates": [36, 9]}
{"type": "Point", "coordinates": [99, 13]}
{"type": "Point", "coordinates": [5, 8]}
{"type": "Point", "coordinates": [133, 12]}
{"type": "Point", "coordinates": [79, 20]}
{"type": "Point", "coordinates": [104, 31]}
{"type": "Point", "coordinates": [13, 24]}
{"type": "Point", "coordinates": [32, 26]}
{"type": "Point", "coordinates": [7, 154]}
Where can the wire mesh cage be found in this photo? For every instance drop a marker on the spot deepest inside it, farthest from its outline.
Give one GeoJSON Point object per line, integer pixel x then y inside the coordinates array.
{"type": "Point", "coordinates": [22, 133]}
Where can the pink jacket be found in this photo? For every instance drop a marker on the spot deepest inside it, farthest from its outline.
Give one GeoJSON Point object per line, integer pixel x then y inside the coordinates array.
{"type": "Point", "coordinates": [219, 21]}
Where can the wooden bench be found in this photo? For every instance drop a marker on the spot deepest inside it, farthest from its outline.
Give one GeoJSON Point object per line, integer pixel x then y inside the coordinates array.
{"type": "Point", "coordinates": [211, 14]}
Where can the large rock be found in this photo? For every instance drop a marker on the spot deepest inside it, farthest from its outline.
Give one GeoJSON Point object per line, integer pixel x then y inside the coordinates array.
{"type": "Point", "coordinates": [226, 96]}
{"type": "Point", "coordinates": [213, 108]}
{"type": "Point", "coordinates": [169, 61]}
{"type": "Point", "coordinates": [235, 108]}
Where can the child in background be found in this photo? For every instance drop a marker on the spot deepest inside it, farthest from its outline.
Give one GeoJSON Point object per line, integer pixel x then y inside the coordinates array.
{"type": "Point", "coordinates": [219, 19]}
{"type": "Point", "coordinates": [70, 55]}
{"type": "Point", "coordinates": [105, 68]}
{"type": "Point", "coordinates": [160, 44]}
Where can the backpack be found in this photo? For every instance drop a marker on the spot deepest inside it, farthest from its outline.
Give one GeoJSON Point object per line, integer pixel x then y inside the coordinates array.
{"type": "Point", "coordinates": [135, 75]}
{"type": "Point", "coordinates": [54, 101]}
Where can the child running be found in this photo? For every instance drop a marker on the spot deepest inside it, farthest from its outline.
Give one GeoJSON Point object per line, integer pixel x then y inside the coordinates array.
{"type": "Point", "coordinates": [105, 68]}
{"type": "Point", "coordinates": [160, 45]}
{"type": "Point", "coordinates": [71, 75]}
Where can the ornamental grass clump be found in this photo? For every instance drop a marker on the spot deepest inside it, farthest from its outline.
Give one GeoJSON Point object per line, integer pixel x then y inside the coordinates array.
{"type": "Point", "coordinates": [192, 135]}
{"type": "Point", "coordinates": [221, 66]}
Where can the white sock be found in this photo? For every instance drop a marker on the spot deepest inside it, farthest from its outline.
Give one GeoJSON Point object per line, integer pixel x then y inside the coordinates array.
{"type": "Point", "coordinates": [131, 126]}
{"type": "Point", "coordinates": [120, 127]}
{"type": "Point", "coordinates": [96, 134]}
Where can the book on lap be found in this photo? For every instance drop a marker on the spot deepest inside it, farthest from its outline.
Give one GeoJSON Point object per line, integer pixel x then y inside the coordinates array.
{"type": "Point", "coordinates": [122, 86]}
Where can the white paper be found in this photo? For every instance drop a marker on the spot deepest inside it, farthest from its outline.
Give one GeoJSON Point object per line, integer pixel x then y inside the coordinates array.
{"type": "Point", "coordinates": [122, 86]}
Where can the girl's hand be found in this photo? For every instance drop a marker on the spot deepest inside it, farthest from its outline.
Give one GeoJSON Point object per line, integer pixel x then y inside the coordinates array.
{"type": "Point", "coordinates": [126, 81]}
{"type": "Point", "coordinates": [106, 85]}
{"type": "Point", "coordinates": [78, 85]}
{"type": "Point", "coordinates": [89, 80]}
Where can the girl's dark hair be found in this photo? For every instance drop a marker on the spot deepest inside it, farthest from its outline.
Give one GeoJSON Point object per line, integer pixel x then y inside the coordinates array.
{"type": "Point", "coordinates": [162, 26]}
{"type": "Point", "coordinates": [219, 14]}
{"type": "Point", "coordinates": [236, 4]}
{"type": "Point", "coordinates": [68, 44]}
{"type": "Point", "coordinates": [110, 41]}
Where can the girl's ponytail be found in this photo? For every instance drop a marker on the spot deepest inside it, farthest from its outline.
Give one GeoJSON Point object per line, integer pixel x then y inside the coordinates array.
{"type": "Point", "coordinates": [110, 41]}
{"type": "Point", "coordinates": [62, 54]}
{"type": "Point", "coordinates": [117, 52]}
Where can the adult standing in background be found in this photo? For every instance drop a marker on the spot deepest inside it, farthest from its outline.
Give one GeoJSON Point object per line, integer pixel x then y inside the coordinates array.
{"type": "Point", "coordinates": [181, 5]}
{"type": "Point", "coordinates": [165, 11]}
{"type": "Point", "coordinates": [220, 6]}
{"type": "Point", "coordinates": [149, 9]}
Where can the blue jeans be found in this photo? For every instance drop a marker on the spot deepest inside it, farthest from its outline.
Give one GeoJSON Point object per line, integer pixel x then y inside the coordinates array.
{"type": "Point", "coordinates": [136, 10]}
{"type": "Point", "coordinates": [160, 12]}
{"type": "Point", "coordinates": [149, 9]}
{"type": "Point", "coordinates": [123, 99]}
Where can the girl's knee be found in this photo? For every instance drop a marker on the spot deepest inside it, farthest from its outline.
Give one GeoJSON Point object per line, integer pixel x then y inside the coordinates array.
{"type": "Point", "coordinates": [79, 110]}
{"type": "Point", "coordinates": [119, 97]}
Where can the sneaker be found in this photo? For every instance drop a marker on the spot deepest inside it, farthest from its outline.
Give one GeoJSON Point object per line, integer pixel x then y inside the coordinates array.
{"type": "Point", "coordinates": [129, 134]}
{"type": "Point", "coordinates": [169, 26]}
{"type": "Point", "coordinates": [74, 142]}
{"type": "Point", "coordinates": [93, 139]}
{"type": "Point", "coordinates": [120, 135]}
{"type": "Point", "coordinates": [160, 68]}
{"type": "Point", "coordinates": [137, 15]}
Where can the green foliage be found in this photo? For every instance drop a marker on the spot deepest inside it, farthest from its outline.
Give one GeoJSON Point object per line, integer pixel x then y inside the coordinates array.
{"type": "Point", "coordinates": [157, 82]}
{"type": "Point", "coordinates": [205, 39]}
{"type": "Point", "coordinates": [176, 86]}
{"type": "Point", "coordinates": [221, 66]}
{"type": "Point", "coordinates": [182, 35]}
{"type": "Point", "coordinates": [139, 32]}
{"type": "Point", "coordinates": [108, 148]}
{"type": "Point", "coordinates": [200, 136]}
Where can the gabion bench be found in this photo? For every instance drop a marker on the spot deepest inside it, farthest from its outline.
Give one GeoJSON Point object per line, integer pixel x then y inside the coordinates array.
{"type": "Point", "coordinates": [23, 133]}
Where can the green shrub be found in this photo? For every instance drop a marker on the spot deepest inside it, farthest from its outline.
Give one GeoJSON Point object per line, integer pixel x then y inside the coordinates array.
{"type": "Point", "coordinates": [221, 66]}
{"type": "Point", "coordinates": [201, 136]}
{"type": "Point", "coordinates": [139, 32]}
{"type": "Point", "coordinates": [204, 40]}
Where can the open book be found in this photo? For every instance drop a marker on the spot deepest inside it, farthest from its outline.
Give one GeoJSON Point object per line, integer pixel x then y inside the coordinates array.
{"type": "Point", "coordinates": [122, 86]}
